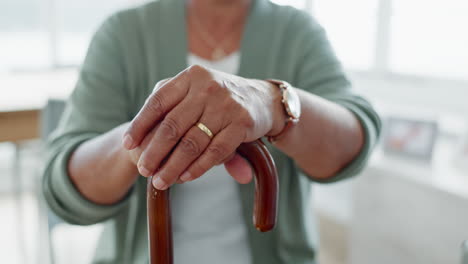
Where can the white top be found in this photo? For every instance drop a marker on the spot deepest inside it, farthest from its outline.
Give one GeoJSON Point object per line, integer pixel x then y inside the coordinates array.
{"type": "Point", "coordinates": [207, 214]}
{"type": "Point", "coordinates": [229, 64]}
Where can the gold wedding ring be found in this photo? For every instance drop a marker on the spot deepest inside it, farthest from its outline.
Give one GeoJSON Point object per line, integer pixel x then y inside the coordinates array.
{"type": "Point", "coordinates": [205, 129]}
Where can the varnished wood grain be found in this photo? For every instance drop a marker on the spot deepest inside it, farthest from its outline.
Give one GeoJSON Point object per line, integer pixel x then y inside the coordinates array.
{"type": "Point", "coordinates": [265, 204]}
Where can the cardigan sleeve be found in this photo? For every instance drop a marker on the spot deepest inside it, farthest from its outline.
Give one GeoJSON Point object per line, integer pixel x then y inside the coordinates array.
{"type": "Point", "coordinates": [320, 72]}
{"type": "Point", "coordinates": [97, 104]}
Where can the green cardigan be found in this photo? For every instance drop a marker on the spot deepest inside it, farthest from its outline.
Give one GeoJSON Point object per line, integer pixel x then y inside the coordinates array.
{"type": "Point", "coordinates": [136, 48]}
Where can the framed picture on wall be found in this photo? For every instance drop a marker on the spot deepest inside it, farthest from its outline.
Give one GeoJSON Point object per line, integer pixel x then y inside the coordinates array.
{"type": "Point", "coordinates": [411, 138]}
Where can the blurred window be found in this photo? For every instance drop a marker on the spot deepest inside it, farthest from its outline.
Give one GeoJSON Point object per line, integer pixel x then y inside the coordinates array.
{"type": "Point", "coordinates": [430, 37]}
{"type": "Point", "coordinates": [24, 41]}
{"type": "Point", "coordinates": [351, 27]}
{"type": "Point", "coordinates": [417, 37]}
{"type": "Point", "coordinates": [38, 34]}
{"type": "Point", "coordinates": [426, 38]}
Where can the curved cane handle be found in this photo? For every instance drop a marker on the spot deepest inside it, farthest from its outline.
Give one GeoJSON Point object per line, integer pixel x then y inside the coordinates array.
{"type": "Point", "coordinates": [265, 204]}
{"type": "Point", "coordinates": [266, 184]}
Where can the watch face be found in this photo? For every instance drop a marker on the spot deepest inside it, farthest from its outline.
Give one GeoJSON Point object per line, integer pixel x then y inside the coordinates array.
{"type": "Point", "coordinates": [293, 103]}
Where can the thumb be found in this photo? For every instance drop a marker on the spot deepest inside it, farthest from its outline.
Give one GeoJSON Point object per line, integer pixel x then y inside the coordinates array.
{"type": "Point", "coordinates": [239, 168]}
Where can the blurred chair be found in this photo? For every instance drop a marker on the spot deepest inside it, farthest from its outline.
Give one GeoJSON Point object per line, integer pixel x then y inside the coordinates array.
{"type": "Point", "coordinates": [50, 117]}
{"type": "Point", "coordinates": [61, 242]}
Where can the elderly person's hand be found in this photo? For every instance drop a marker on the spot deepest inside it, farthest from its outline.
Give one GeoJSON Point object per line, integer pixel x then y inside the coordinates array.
{"type": "Point", "coordinates": [232, 108]}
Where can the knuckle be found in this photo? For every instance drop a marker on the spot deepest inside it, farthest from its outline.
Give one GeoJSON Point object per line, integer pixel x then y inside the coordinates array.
{"type": "Point", "coordinates": [135, 126]}
{"type": "Point", "coordinates": [229, 105]}
{"type": "Point", "coordinates": [229, 157]}
{"type": "Point", "coordinates": [247, 122]}
{"type": "Point", "coordinates": [245, 119]}
{"type": "Point", "coordinates": [196, 69]}
{"type": "Point", "coordinates": [200, 169]}
{"type": "Point", "coordinates": [212, 87]}
{"type": "Point", "coordinates": [218, 151]}
{"type": "Point", "coordinates": [155, 104]}
{"type": "Point", "coordinates": [190, 146]}
{"type": "Point", "coordinates": [170, 129]}
{"type": "Point", "coordinates": [146, 163]}
{"type": "Point", "coordinates": [159, 85]}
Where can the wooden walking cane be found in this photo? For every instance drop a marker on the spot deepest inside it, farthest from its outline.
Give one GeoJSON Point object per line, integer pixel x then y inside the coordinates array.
{"type": "Point", "coordinates": [264, 213]}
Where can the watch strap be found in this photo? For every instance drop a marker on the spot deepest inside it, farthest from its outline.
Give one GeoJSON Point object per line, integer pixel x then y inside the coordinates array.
{"type": "Point", "coordinates": [290, 120]}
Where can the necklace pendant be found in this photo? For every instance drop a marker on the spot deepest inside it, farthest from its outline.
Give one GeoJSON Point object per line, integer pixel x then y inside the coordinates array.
{"type": "Point", "coordinates": [218, 54]}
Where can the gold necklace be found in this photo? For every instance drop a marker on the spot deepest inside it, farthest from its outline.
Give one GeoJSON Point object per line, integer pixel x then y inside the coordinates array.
{"type": "Point", "coordinates": [218, 47]}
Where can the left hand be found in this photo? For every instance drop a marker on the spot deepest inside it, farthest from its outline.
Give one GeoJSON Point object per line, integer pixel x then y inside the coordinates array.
{"type": "Point", "coordinates": [235, 109]}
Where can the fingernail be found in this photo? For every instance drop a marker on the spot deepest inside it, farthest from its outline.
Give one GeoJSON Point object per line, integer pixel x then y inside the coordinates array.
{"type": "Point", "coordinates": [185, 176]}
{"type": "Point", "coordinates": [144, 171]}
{"type": "Point", "coordinates": [127, 142]}
{"type": "Point", "coordinates": [158, 183]}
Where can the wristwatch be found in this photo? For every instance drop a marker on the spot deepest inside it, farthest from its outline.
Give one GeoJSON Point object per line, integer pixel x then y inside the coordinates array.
{"type": "Point", "coordinates": [291, 104]}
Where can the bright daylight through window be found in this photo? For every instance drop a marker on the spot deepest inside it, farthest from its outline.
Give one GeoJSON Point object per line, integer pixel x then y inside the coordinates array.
{"type": "Point", "coordinates": [423, 37]}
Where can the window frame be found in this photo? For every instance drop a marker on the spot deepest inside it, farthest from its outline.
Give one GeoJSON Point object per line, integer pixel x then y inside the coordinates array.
{"type": "Point", "coordinates": [380, 66]}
